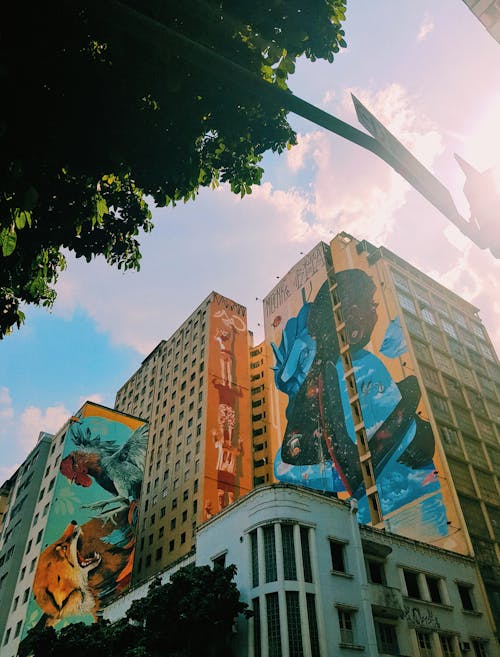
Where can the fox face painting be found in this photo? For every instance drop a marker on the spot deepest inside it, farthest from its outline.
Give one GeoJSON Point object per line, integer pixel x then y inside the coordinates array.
{"type": "Point", "coordinates": [61, 585]}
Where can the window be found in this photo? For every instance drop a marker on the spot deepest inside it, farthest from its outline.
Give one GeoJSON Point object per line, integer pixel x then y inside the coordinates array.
{"type": "Point", "coordinates": [220, 561]}
{"type": "Point", "coordinates": [171, 545]}
{"type": "Point", "coordinates": [479, 648]}
{"type": "Point", "coordinates": [447, 647]}
{"type": "Point", "coordinates": [387, 640]}
{"type": "Point", "coordinates": [434, 589]}
{"type": "Point", "coordinates": [428, 316]}
{"type": "Point", "coordinates": [270, 554]}
{"type": "Point", "coordinates": [255, 558]}
{"type": "Point", "coordinates": [306, 554]}
{"type": "Point", "coordinates": [159, 553]}
{"type": "Point", "coordinates": [7, 637]}
{"type": "Point", "coordinates": [411, 581]}
{"type": "Point", "coordinates": [294, 627]}
{"type": "Point", "coordinates": [313, 624]}
{"type": "Point", "coordinates": [337, 554]}
{"type": "Point", "coordinates": [173, 522]}
{"type": "Point", "coordinates": [346, 626]}
{"type": "Point", "coordinates": [376, 572]}
{"type": "Point", "coordinates": [465, 593]}
{"type": "Point", "coordinates": [183, 538]}
{"type": "Point", "coordinates": [256, 627]}
{"type": "Point", "coordinates": [18, 629]}
{"type": "Point", "coordinates": [26, 595]}
{"type": "Point", "coordinates": [289, 565]}
{"type": "Point", "coordinates": [273, 624]}
{"type": "Point", "coordinates": [424, 644]}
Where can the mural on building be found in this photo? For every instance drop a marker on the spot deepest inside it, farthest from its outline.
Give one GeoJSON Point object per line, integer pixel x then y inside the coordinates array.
{"type": "Point", "coordinates": [89, 538]}
{"type": "Point", "coordinates": [314, 419]}
{"type": "Point", "coordinates": [228, 440]}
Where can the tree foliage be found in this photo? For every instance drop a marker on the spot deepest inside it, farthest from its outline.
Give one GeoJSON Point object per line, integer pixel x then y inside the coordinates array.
{"type": "Point", "coordinates": [102, 109]}
{"type": "Point", "coordinates": [191, 616]}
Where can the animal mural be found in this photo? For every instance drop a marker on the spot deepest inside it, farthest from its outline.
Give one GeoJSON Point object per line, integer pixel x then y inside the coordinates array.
{"type": "Point", "coordinates": [91, 525]}
{"type": "Point", "coordinates": [319, 443]}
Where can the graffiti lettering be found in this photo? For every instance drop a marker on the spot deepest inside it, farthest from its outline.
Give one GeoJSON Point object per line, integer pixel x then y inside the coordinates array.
{"type": "Point", "coordinates": [229, 305]}
{"type": "Point", "coordinates": [415, 616]}
{"type": "Point", "coordinates": [276, 298]}
{"type": "Point", "coordinates": [307, 267]}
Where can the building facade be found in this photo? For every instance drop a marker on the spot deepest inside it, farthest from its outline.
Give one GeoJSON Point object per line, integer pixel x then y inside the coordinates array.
{"type": "Point", "coordinates": [386, 389]}
{"type": "Point", "coordinates": [319, 584]}
{"type": "Point", "coordinates": [488, 12]}
{"type": "Point", "coordinates": [21, 530]}
{"type": "Point", "coordinates": [194, 390]}
{"type": "Point", "coordinates": [67, 543]}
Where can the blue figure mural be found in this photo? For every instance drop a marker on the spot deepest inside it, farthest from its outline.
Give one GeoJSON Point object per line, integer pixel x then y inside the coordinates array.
{"type": "Point", "coordinates": [319, 445]}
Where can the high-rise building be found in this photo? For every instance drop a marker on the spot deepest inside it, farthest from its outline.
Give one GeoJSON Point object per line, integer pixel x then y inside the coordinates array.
{"type": "Point", "coordinates": [260, 386]}
{"type": "Point", "coordinates": [194, 389]}
{"type": "Point", "coordinates": [386, 389]}
{"type": "Point", "coordinates": [488, 12]}
{"type": "Point", "coordinates": [20, 529]}
{"type": "Point", "coordinates": [67, 543]}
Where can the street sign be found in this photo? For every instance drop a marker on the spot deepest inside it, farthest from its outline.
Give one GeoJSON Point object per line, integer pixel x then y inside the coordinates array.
{"type": "Point", "coordinates": [413, 171]}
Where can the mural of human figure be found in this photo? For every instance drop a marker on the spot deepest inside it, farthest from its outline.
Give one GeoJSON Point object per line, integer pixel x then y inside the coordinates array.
{"type": "Point", "coordinates": [226, 411]}
{"type": "Point", "coordinates": [320, 429]}
{"type": "Point", "coordinates": [227, 461]}
{"type": "Point", "coordinates": [225, 337]}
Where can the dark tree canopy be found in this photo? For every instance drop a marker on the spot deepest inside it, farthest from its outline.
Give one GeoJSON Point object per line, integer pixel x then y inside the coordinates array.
{"type": "Point", "coordinates": [102, 106]}
{"type": "Point", "coordinates": [191, 616]}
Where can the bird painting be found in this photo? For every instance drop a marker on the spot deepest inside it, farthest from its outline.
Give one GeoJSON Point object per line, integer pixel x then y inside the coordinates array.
{"type": "Point", "coordinates": [117, 469]}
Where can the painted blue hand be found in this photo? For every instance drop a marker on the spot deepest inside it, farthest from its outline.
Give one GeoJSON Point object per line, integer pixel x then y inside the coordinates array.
{"type": "Point", "coordinates": [295, 354]}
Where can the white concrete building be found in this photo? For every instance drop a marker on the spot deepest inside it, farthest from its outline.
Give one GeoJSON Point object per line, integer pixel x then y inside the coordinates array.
{"type": "Point", "coordinates": [321, 585]}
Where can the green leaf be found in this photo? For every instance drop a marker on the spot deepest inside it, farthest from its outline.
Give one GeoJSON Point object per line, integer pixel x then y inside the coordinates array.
{"type": "Point", "coordinates": [21, 218]}
{"type": "Point", "coordinates": [8, 239]}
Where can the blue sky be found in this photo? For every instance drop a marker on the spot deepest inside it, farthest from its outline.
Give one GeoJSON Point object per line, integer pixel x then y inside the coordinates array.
{"type": "Point", "coordinates": [428, 70]}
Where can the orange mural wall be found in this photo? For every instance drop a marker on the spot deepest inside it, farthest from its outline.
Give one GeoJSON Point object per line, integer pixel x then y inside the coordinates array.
{"type": "Point", "coordinates": [228, 440]}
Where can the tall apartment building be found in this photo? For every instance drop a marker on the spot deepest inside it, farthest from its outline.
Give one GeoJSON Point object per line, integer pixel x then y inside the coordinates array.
{"type": "Point", "coordinates": [67, 543]}
{"type": "Point", "coordinates": [260, 386]}
{"type": "Point", "coordinates": [386, 389]}
{"type": "Point", "coordinates": [488, 12]}
{"type": "Point", "coordinates": [194, 389]}
{"type": "Point", "coordinates": [20, 529]}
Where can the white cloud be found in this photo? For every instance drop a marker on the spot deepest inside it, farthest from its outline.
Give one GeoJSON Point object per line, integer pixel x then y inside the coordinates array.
{"type": "Point", "coordinates": [33, 420]}
{"type": "Point", "coordinates": [6, 407]}
{"type": "Point", "coordinates": [426, 28]}
{"type": "Point", "coordinates": [296, 156]}
{"type": "Point", "coordinates": [92, 397]}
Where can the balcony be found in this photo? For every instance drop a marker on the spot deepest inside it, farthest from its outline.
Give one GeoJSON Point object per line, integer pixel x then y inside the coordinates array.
{"type": "Point", "coordinates": [386, 601]}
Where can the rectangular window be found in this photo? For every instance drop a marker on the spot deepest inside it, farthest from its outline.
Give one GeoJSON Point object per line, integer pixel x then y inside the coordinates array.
{"type": "Point", "coordinates": [376, 572]}
{"type": "Point", "coordinates": [289, 564]}
{"type": "Point", "coordinates": [255, 558]}
{"type": "Point", "coordinates": [346, 626]}
{"type": "Point", "coordinates": [270, 554]}
{"type": "Point", "coordinates": [18, 629]}
{"type": "Point", "coordinates": [465, 593]}
{"type": "Point", "coordinates": [257, 651]}
{"type": "Point", "coordinates": [294, 627]}
{"type": "Point", "coordinates": [387, 640]}
{"type": "Point", "coordinates": [337, 554]}
{"type": "Point", "coordinates": [411, 580]}
{"type": "Point", "coordinates": [434, 589]}
{"type": "Point", "coordinates": [424, 644]}
{"type": "Point", "coordinates": [447, 648]}
{"type": "Point", "coordinates": [313, 624]}
{"type": "Point", "coordinates": [306, 554]}
{"type": "Point", "coordinates": [273, 624]}
{"type": "Point", "coordinates": [479, 648]}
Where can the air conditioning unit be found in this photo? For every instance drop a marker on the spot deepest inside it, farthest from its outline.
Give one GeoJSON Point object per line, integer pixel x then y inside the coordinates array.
{"type": "Point", "coordinates": [465, 646]}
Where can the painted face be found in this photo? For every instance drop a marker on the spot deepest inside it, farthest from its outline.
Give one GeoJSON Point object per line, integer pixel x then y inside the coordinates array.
{"type": "Point", "coordinates": [360, 322]}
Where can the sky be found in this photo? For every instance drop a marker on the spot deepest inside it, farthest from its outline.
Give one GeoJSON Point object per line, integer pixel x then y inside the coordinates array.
{"type": "Point", "coordinates": [428, 70]}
